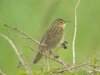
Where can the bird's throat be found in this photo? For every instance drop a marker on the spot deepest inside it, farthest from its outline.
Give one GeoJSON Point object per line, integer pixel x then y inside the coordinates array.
{"type": "Point", "coordinates": [62, 26]}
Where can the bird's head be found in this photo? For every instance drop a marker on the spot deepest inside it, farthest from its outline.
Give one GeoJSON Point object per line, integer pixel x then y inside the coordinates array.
{"type": "Point", "coordinates": [60, 23]}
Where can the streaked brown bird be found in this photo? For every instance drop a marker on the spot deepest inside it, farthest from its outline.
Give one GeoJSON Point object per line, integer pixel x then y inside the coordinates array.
{"type": "Point", "coordinates": [53, 37]}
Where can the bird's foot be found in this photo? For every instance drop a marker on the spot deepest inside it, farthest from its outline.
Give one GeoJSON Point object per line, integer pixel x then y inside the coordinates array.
{"type": "Point", "coordinates": [64, 44]}
{"type": "Point", "coordinates": [54, 55]}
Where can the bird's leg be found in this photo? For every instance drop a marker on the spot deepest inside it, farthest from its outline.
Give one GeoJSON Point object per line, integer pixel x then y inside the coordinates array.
{"type": "Point", "coordinates": [64, 45]}
{"type": "Point", "coordinates": [55, 55]}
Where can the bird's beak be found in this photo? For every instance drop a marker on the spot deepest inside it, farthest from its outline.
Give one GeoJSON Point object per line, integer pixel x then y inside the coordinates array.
{"type": "Point", "coordinates": [63, 26]}
{"type": "Point", "coordinates": [67, 21]}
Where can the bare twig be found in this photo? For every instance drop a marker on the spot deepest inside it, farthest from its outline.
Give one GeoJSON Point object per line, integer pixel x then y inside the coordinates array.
{"type": "Point", "coordinates": [57, 60]}
{"type": "Point", "coordinates": [2, 73]}
{"type": "Point", "coordinates": [70, 68]}
{"type": "Point", "coordinates": [21, 32]}
{"type": "Point", "coordinates": [74, 38]}
{"type": "Point", "coordinates": [94, 65]}
{"type": "Point", "coordinates": [91, 69]}
{"type": "Point", "coordinates": [28, 69]}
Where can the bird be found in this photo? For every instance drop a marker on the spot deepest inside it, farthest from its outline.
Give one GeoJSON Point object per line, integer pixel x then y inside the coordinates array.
{"type": "Point", "coordinates": [53, 37]}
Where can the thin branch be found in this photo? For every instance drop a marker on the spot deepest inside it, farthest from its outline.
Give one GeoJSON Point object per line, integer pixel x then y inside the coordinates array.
{"type": "Point", "coordinates": [57, 60]}
{"type": "Point", "coordinates": [21, 32]}
{"type": "Point", "coordinates": [28, 69]}
{"type": "Point", "coordinates": [2, 73]}
{"type": "Point", "coordinates": [74, 38]}
{"type": "Point", "coordinates": [61, 70]}
{"type": "Point", "coordinates": [92, 69]}
{"type": "Point", "coordinates": [94, 65]}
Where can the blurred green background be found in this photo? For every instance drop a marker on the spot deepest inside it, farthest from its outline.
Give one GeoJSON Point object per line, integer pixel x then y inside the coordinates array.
{"type": "Point", "coordinates": [35, 16]}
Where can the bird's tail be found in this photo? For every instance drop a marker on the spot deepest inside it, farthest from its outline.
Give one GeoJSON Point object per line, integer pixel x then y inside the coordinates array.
{"type": "Point", "coordinates": [38, 56]}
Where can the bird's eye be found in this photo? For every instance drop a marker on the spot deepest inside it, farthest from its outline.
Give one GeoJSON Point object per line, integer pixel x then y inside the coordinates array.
{"type": "Point", "coordinates": [61, 22]}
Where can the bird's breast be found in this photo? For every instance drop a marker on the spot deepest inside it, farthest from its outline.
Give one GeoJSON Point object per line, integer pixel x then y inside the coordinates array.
{"type": "Point", "coordinates": [52, 40]}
